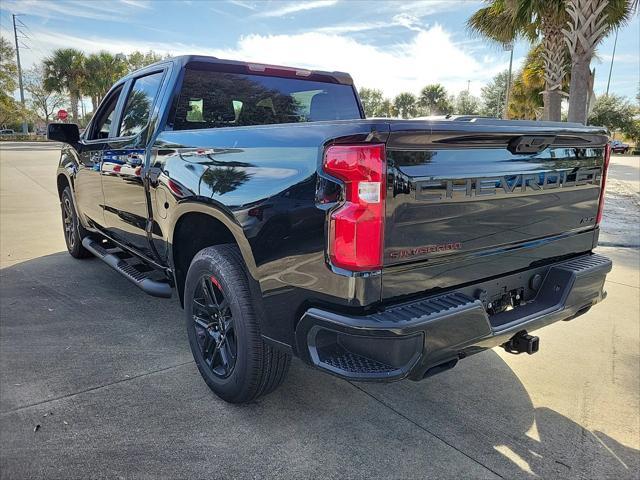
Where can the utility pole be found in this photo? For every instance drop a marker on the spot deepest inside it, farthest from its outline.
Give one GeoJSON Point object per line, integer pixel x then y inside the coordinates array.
{"type": "Point", "coordinates": [468, 85]}
{"type": "Point", "coordinates": [505, 115]}
{"type": "Point", "coordinates": [15, 36]}
{"type": "Point", "coordinates": [615, 42]}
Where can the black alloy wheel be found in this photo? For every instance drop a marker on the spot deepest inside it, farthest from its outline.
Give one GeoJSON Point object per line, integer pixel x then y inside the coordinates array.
{"type": "Point", "coordinates": [214, 327]}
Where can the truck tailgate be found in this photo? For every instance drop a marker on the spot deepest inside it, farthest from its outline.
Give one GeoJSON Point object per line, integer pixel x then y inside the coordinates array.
{"type": "Point", "coordinates": [469, 200]}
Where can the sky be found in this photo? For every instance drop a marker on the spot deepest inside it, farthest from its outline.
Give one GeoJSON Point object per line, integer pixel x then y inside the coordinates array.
{"type": "Point", "coordinates": [394, 46]}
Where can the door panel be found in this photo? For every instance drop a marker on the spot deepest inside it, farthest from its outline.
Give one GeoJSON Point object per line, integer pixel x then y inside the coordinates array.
{"type": "Point", "coordinates": [124, 170]}
{"type": "Point", "coordinates": [88, 185]}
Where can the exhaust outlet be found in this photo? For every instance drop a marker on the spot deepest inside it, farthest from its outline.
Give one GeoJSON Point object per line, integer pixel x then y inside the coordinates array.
{"type": "Point", "coordinates": [522, 342]}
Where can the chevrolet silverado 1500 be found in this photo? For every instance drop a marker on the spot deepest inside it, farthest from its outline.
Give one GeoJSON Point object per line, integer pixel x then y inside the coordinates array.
{"type": "Point", "coordinates": [288, 224]}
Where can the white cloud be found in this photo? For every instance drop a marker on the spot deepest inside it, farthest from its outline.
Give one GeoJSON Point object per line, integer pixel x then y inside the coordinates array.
{"type": "Point", "coordinates": [136, 3]}
{"type": "Point", "coordinates": [72, 9]}
{"type": "Point", "coordinates": [294, 7]}
{"type": "Point", "coordinates": [430, 56]}
{"type": "Point", "coordinates": [240, 3]}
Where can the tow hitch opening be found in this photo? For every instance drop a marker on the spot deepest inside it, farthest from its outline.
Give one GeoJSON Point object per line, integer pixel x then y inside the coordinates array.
{"type": "Point", "coordinates": [522, 342]}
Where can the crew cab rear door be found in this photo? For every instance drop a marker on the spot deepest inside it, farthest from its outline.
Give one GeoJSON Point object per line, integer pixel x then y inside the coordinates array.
{"type": "Point", "coordinates": [124, 167]}
{"type": "Point", "coordinates": [473, 200]}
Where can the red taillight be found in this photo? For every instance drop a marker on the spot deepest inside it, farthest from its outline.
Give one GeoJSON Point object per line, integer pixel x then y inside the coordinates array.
{"type": "Point", "coordinates": [356, 227]}
{"type": "Point", "coordinates": [603, 182]}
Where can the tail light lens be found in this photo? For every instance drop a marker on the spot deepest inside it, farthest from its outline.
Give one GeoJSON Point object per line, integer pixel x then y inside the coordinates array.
{"type": "Point", "coordinates": [605, 169]}
{"type": "Point", "coordinates": [356, 228]}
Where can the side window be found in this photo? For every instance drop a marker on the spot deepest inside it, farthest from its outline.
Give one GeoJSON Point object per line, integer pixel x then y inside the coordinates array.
{"type": "Point", "coordinates": [138, 107]}
{"type": "Point", "coordinates": [102, 123]}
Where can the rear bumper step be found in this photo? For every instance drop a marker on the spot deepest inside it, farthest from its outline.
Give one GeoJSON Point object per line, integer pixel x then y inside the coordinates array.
{"type": "Point", "coordinates": [154, 288]}
{"type": "Point", "coordinates": [419, 338]}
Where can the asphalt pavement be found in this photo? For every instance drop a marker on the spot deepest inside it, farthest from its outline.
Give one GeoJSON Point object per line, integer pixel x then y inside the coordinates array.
{"type": "Point", "coordinates": [97, 380]}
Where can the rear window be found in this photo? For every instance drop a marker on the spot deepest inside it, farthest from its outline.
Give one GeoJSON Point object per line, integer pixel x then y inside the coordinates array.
{"type": "Point", "coordinates": [211, 99]}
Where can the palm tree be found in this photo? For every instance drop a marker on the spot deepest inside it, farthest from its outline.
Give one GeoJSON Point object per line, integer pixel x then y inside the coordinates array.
{"type": "Point", "coordinates": [504, 21]}
{"type": "Point", "coordinates": [590, 21]}
{"type": "Point", "coordinates": [64, 73]}
{"type": "Point", "coordinates": [406, 105]}
{"type": "Point", "coordinates": [103, 70]}
{"type": "Point", "coordinates": [525, 101]}
{"type": "Point", "coordinates": [434, 99]}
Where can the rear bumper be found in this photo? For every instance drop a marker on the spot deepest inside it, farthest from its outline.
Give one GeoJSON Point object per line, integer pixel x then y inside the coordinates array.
{"type": "Point", "coordinates": [425, 336]}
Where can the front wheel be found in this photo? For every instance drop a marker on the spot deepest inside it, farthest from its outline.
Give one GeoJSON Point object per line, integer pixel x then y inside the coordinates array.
{"type": "Point", "coordinates": [73, 231]}
{"type": "Point", "coordinates": [224, 331]}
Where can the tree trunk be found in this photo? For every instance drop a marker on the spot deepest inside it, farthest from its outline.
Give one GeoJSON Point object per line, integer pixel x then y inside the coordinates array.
{"type": "Point", "coordinates": [73, 99]}
{"type": "Point", "coordinates": [554, 65]}
{"type": "Point", "coordinates": [587, 27]}
{"type": "Point", "coordinates": [579, 89]}
{"type": "Point", "coordinates": [552, 106]}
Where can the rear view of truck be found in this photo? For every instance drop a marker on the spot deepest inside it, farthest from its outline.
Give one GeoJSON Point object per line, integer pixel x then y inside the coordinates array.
{"type": "Point", "coordinates": [481, 230]}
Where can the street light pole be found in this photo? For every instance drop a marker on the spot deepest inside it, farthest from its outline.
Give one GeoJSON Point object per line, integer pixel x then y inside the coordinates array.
{"type": "Point", "coordinates": [507, 94]}
{"type": "Point", "coordinates": [15, 36]}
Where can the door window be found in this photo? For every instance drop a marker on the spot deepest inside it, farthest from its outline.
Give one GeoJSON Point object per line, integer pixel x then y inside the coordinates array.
{"type": "Point", "coordinates": [101, 126]}
{"type": "Point", "coordinates": [138, 108]}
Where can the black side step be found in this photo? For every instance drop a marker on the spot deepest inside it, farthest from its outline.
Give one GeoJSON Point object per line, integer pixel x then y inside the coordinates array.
{"type": "Point", "coordinates": [140, 279]}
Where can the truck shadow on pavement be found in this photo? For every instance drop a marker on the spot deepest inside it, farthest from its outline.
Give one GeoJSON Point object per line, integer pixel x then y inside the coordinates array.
{"type": "Point", "coordinates": [111, 369]}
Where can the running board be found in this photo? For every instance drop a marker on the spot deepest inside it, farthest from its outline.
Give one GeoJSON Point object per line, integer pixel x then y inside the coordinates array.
{"type": "Point", "coordinates": [128, 271]}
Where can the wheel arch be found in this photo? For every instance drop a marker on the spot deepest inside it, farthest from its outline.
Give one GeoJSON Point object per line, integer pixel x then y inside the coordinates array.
{"type": "Point", "coordinates": [197, 226]}
{"type": "Point", "coordinates": [63, 181]}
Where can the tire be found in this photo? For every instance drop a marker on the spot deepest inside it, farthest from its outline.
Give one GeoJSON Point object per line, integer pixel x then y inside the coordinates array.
{"type": "Point", "coordinates": [73, 231]}
{"type": "Point", "coordinates": [224, 331]}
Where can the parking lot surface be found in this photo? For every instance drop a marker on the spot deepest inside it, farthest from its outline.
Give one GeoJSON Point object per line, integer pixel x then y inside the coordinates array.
{"type": "Point", "coordinates": [97, 380]}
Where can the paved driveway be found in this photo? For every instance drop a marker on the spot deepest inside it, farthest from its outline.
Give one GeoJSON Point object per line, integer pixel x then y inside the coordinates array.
{"type": "Point", "coordinates": [106, 373]}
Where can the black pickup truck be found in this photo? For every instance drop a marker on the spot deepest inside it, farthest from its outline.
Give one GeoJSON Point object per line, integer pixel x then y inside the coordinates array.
{"type": "Point", "coordinates": [289, 224]}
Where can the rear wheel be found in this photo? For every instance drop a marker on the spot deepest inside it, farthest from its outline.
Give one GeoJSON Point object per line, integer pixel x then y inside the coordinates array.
{"type": "Point", "coordinates": [73, 231]}
{"type": "Point", "coordinates": [223, 328]}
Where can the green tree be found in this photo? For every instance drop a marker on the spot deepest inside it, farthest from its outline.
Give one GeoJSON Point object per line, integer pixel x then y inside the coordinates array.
{"type": "Point", "coordinates": [43, 102]}
{"type": "Point", "coordinates": [614, 112]}
{"type": "Point", "coordinates": [387, 109]}
{"type": "Point", "coordinates": [406, 105]}
{"type": "Point", "coordinates": [493, 96]}
{"type": "Point", "coordinates": [64, 73]}
{"type": "Point", "coordinates": [11, 112]}
{"type": "Point", "coordinates": [434, 100]}
{"type": "Point", "coordinates": [466, 104]}
{"type": "Point", "coordinates": [633, 132]}
{"type": "Point", "coordinates": [505, 21]}
{"type": "Point", "coordinates": [373, 102]}
{"type": "Point", "coordinates": [589, 22]}
{"type": "Point", "coordinates": [137, 60]}
{"type": "Point", "coordinates": [102, 69]}
{"type": "Point", "coordinates": [8, 68]}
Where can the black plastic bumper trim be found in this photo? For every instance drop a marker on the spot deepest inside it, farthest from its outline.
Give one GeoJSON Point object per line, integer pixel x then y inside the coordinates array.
{"type": "Point", "coordinates": [453, 325]}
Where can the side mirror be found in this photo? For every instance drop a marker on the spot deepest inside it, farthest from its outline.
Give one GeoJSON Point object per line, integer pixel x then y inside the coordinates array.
{"type": "Point", "coordinates": [63, 132]}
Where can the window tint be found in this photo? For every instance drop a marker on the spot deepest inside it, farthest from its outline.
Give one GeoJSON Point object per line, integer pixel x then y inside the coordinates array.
{"type": "Point", "coordinates": [211, 99]}
{"type": "Point", "coordinates": [138, 108]}
{"type": "Point", "coordinates": [102, 122]}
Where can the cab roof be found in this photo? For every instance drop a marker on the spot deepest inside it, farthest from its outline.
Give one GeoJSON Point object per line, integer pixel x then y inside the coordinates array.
{"type": "Point", "coordinates": [235, 66]}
